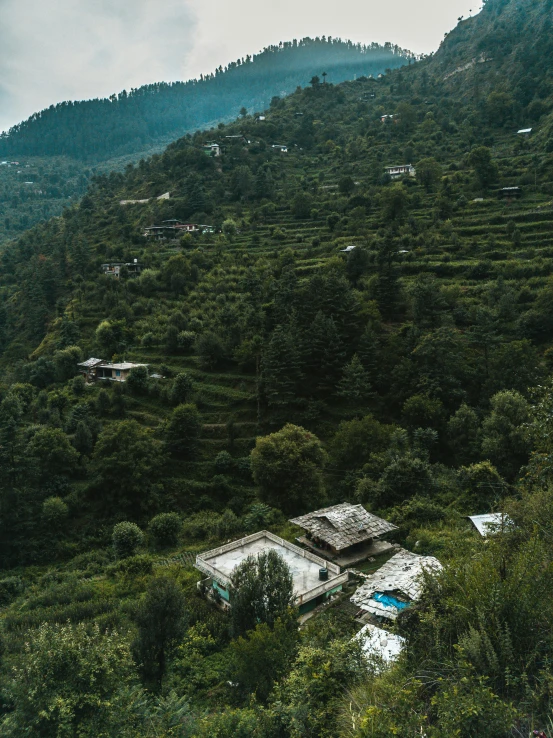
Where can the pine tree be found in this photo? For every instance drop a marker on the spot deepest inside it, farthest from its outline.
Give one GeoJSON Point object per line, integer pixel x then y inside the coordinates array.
{"type": "Point", "coordinates": [161, 620]}
{"type": "Point", "coordinates": [324, 353]}
{"type": "Point", "coordinates": [83, 440]}
{"type": "Point", "coordinates": [281, 367]}
{"type": "Point", "coordinates": [355, 385]}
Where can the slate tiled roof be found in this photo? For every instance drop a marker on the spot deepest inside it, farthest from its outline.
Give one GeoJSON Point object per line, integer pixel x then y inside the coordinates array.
{"type": "Point", "coordinates": [90, 363]}
{"type": "Point", "coordinates": [341, 526]}
{"type": "Point", "coordinates": [125, 366]}
{"type": "Point", "coordinates": [402, 574]}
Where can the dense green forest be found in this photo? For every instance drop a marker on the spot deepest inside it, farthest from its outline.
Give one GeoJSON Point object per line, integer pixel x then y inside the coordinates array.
{"type": "Point", "coordinates": [36, 189]}
{"type": "Point", "coordinates": [410, 374]}
{"type": "Point", "coordinates": [96, 130]}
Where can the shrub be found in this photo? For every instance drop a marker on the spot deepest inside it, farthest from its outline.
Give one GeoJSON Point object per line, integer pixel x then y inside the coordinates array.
{"type": "Point", "coordinates": [148, 340]}
{"type": "Point", "coordinates": [127, 537]}
{"type": "Point", "coordinates": [54, 511]}
{"type": "Point", "coordinates": [78, 385]}
{"type": "Point", "coordinates": [229, 524]}
{"type": "Point", "coordinates": [224, 463]}
{"type": "Point", "coordinates": [165, 528]}
{"type": "Point", "coordinates": [140, 565]}
{"type": "Point", "coordinates": [138, 380]}
{"type": "Point", "coordinates": [186, 341]}
{"type": "Point", "coordinates": [183, 430]}
{"type": "Point", "coordinates": [182, 388]}
{"type": "Point", "coordinates": [10, 588]}
{"type": "Point", "coordinates": [210, 350]}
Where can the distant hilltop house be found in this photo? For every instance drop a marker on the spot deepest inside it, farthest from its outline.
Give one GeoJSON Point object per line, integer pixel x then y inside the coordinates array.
{"type": "Point", "coordinates": [349, 249]}
{"type": "Point", "coordinates": [345, 533]}
{"type": "Point", "coordinates": [98, 369]}
{"type": "Point", "coordinates": [261, 118]}
{"type": "Point", "coordinates": [281, 148]}
{"type": "Point", "coordinates": [405, 170]}
{"type": "Point", "coordinates": [114, 268]}
{"type": "Point", "coordinates": [525, 131]}
{"type": "Point", "coordinates": [395, 586]}
{"type": "Point", "coordinates": [174, 229]}
{"type": "Point", "coordinates": [389, 119]}
{"type": "Point", "coordinates": [212, 149]}
{"type": "Point", "coordinates": [314, 579]}
{"type": "Point", "coordinates": [239, 139]}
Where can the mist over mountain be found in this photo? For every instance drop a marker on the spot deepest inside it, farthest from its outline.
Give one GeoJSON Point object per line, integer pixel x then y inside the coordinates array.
{"type": "Point", "coordinates": [128, 122]}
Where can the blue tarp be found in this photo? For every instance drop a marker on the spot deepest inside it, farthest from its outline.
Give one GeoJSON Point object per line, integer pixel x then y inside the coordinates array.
{"type": "Point", "coordinates": [389, 601]}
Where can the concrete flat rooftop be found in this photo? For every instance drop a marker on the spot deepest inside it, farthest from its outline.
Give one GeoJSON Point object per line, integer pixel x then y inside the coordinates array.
{"type": "Point", "coordinates": [305, 571]}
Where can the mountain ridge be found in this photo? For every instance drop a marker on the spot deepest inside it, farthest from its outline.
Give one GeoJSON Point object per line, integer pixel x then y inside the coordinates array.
{"type": "Point", "coordinates": [129, 121]}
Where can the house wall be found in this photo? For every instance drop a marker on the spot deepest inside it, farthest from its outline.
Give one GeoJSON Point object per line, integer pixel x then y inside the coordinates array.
{"type": "Point", "coordinates": [221, 590]}
{"type": "Point", "coordinates": [312, 604]}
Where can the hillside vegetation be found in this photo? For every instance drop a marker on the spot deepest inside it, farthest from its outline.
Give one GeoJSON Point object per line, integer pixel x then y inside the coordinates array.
{"type": "Point", "coordinates": [59, 148]}
{"type": "Point", "coordinates": [410, 374]}
{"type": "Point", "coordinates": [97, 130]}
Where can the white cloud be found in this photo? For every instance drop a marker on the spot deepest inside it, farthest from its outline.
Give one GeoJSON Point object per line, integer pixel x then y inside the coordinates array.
{"type": "Point", "coordinates": [53, 50]}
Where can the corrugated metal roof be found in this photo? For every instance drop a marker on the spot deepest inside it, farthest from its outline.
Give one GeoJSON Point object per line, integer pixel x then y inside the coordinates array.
{"type": "Point", "coordinates": [487, 524]}
{"type": "Point", "coordinates": [376, 641]}
{"type": "Point", "coordinates": [402, 574]}
{"type": "Point", "coordinates": [344, 525]}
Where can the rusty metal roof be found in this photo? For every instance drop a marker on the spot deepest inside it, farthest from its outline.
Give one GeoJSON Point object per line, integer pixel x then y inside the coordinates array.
{"type": "Point", "coordinates": [344, 525]}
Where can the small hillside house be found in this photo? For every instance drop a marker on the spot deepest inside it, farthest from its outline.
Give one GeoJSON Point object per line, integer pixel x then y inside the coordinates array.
{"type": "Point", "coordinates": [344, 533]}
{"type": "Point", "coordinates": [98, 369]}
{"type": "Point", "coordinates": [389, 118]}
{"type": "Point", "coordinates": [175, 229]}
{"type": "Point", "coordinates": [212, 149]}
{"type": "Point", "coordinates": [510, 193]}
{"type": "Point", "coordinates": [315, 579]}
{"type": "Point", "coordinates": [114, 269]}
{"type": "Point", "coordinates": [281, 148]}
{"type": "Point", "coordinates": [395, 586]}
{"type": "Point", "coordinates": [405, 170]}
{"type": "Point", "coordinates": [232, 140]}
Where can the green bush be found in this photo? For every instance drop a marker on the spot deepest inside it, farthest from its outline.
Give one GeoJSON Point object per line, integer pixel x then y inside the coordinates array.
{"type": "Point", "coordinates": [127, 537]}
{"type": "Point", "coordinates": [132, 567]}
{"type": "Point", "coordinates": [165, 528]}
{"type": "Point", "coordinates": [54, 511]}
{"type": "Point", "coordinates": [10, 588]}
{"type": "Point", "coordinates": [138, 380]}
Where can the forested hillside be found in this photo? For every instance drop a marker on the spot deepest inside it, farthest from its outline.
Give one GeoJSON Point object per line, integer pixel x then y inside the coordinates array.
{"type": "Point", "coordinates": [339, 337]}
{"type": "Point", "coordinates": [49, 158]}
{"type": "Point", "coordinates": [129, 122]}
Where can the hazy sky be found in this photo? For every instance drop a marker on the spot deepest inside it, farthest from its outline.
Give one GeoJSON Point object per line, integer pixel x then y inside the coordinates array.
{"type": "Point", "coordinates": [54, 50]}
